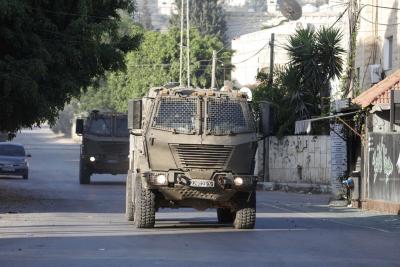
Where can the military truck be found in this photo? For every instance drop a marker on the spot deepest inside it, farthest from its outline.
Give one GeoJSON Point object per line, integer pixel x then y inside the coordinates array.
{"type": "Point", "coordinates": [105, 144]}
{"type": "Point", "coordinates": [191, 148]}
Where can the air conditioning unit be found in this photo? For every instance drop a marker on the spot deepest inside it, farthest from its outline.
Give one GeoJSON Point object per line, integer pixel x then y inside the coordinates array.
{"type": "Point", "coordinates": [375, 72]}
{"type": "Point", "coordinates": [342, 104]}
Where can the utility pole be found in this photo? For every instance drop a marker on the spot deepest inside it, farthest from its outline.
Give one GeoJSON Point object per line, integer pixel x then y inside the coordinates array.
{"type": "Point", "coordinates": [214, 63]}
{"type": "Point", "coordinates": [188, 42]}
{"type": "Point", "coordinates": [181, 48]}
{"type": "Point", "coordinates": [353, 21]}
{"type": "Point", "coordinates": [271, 58]}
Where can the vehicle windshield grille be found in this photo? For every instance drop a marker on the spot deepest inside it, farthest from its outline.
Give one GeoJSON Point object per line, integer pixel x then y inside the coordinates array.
{"type": "Point", "coordinates": [100, 126]}
{"type": "Point", "coordinates": [176, 114]}
{"type": "Point", "coordinates": [121, 127]}
{"type": "Point", "coordinates": [227, 116]}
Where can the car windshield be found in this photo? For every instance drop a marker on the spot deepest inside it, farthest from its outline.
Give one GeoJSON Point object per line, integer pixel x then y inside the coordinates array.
{"type": "Point", "coordinates": [12, 151]}
{"type": "Point", "coordinates": [100, 126]}
{"type": "Point", "coordinates": [226, 116]}
{"type": "Point", "coordinates": [121, 127]}
{"type": "Point", "coordinates": [176, 114]}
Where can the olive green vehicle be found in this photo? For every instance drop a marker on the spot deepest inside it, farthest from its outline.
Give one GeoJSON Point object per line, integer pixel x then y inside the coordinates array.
{"type": "Point", "coordinates": [105, 144]}
{"type": "Point", "coordinates": [192, 148]}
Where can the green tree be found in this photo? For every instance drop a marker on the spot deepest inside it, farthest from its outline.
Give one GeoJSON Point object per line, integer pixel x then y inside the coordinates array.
{"type": "Point", "coordinates": [316, 56]}
{"type": "Point", "coordinates": [208, 16]}
{"type": "Point", "coordinates": [50, 50]}
{"type": "Point", "coordinates": [301, 89]}
{"type": "Point", "coordinates": [156, 63]}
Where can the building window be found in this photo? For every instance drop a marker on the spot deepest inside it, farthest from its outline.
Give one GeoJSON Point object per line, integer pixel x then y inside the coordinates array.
{"type": "Point", "coordinates": [388, 53]}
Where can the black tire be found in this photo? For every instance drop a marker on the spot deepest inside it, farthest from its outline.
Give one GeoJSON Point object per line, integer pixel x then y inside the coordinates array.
{"type": "Point", "coordinates": [84, 175]}
{"type": "Point", "coordinates": [246, 214]}
{"type": "Point", "coordinates": [129, 208]}
{"type": "Point", "coordinates": [144, 206]}
{"type": "Point", "coordinates": [25, 176]}
{"type": "Point", "coordinates": [225, 215]}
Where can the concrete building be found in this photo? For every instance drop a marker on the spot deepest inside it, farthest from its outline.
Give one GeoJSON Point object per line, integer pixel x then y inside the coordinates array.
{"type": "Point", "coordinates": [377, 53]}
{"type": "Point", "coordinates": [380, 173]}
{"type": "Point", "coordinates": [252, 50]}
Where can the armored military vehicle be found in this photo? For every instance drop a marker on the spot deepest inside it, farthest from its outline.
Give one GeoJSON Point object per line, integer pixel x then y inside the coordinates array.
{"type": "Point", "coordinates": [105, 144]}
{"type": "Point", "coordinates": [191, 148]}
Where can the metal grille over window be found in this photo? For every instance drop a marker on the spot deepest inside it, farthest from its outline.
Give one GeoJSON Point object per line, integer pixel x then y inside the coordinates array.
{"type": "Point", "coordinates": [226, 116]}
{"type": "Point", "coordinates": [176, 114]}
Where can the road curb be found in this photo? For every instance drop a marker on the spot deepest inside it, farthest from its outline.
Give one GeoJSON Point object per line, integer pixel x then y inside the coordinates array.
{"type": "Point", "coordinates": [294, 187]}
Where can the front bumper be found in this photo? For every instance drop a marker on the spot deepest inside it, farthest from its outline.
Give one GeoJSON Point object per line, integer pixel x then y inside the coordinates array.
{"type": "Point", "coordinates": [178, 186]}
{"type": "Point", "coordinates": [13, 170]}
{"type": "Point", "coordinates": [104, 165]}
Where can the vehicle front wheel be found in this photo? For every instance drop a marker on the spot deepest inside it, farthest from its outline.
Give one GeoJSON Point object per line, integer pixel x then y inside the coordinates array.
{"type": "Point", "coordinates": [25, 176]}
{"type": "Point", "coordinates": [84, 175]}
{"type": "Point", "coordinates": [246, 214]}
{"type": "Point", "coordinates": [129, 208]}
{"type": "Point", "coordinates": [225, 215]}
{"type": "Point", "coordinates": [144, 206]}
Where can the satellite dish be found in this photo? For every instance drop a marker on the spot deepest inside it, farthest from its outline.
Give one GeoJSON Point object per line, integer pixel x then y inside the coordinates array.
{"type": "Point", "coordinates": [248, 92]}
{"type": "Point", "coordinates": [290, 9]}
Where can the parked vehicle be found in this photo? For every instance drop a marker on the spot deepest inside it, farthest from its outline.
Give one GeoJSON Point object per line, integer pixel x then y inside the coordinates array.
{"type": "Point", "coordinates": [13, 160]}
{"type": "Point", "coordinates": [192, 148]}
{"type": "Point", "coordinates": [105, 144]}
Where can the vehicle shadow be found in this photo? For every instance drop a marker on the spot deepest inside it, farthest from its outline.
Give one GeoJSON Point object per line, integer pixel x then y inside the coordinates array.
{"type": "Point", "coordinates": [107, 183]}
{"type": "Point", "coordinates": [10, 177]}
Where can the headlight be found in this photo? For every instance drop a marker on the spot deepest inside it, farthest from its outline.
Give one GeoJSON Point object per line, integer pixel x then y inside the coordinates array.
{"type": "Point", "coordinates": [92, 159]}
{"type": "Point", "coordinates": [238, 181]}
{"type": "Point", "coordinates": [161, 179]}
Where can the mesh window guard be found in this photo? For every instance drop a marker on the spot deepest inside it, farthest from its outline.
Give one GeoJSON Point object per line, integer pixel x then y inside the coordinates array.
{"type": "Point", "coordinates": [226, 116]}
{"type": "Point", "coordinates": [176, 114]}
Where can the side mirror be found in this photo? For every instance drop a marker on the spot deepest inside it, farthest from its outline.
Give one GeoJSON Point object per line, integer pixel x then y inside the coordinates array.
{"type": "Point", "coordinates": [266, 118]}
{"type": "Point", "coordinates": [135, 114]}
{"type": "Point", "coordinates": [79, 127]}
{"type": "Point", "coordinates": [29, 156]}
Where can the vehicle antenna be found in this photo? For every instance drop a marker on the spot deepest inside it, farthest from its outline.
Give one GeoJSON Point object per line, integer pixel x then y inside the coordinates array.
{"type": "Point", "coordinates": [188, 42]}
{"type": "Point", "coordinates": [214, 61]}
{"type": "Point", "coordinates": [181, 47]}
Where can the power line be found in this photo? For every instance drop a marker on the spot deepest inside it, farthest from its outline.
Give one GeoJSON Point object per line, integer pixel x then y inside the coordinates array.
{"type": "Point", "coordinates": [383, 7]}
{"type": "Point", "coordinates": [377, 23]}
{"type": "Point", "coordinates": [340, 16]}
{"type": "Point", "coordinates": [262, 48]}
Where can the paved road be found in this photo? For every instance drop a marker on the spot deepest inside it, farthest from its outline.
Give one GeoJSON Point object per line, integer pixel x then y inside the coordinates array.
{"type": "Point", "coordinates": [51, 220]}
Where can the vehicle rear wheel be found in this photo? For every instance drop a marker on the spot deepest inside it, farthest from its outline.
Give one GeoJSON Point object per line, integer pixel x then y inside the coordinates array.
{"type": "Point", "coordinates": [144, 206]}
{"type": "Point", "coordinates": [129, 208]}
{"type": "Point", "coordinates": [84, 175]}
{"type": "Point", "coordinates": [225, 215]}
{"type": "Point", "coordinates": [246, 214]}
{"type": "Point", "coordinates": [25, 176]}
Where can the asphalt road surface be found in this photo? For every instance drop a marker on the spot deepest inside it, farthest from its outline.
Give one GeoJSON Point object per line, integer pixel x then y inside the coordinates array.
{"type": "Point", "coordinates": [50, 220]}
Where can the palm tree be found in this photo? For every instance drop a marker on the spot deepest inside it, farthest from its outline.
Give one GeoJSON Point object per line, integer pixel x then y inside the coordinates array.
{"type": "Point", "coordinates": [316, 56]}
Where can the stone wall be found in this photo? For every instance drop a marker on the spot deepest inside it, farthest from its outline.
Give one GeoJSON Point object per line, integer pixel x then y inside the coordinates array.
{"type": "Point", "coordinates": [300, 159]}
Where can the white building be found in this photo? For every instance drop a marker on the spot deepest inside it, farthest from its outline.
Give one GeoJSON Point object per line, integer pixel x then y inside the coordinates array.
{"type": "Point", "coordinates": [235, 3]}
{"type": "Point", "coordinates": [167, 7]}
{"type": "Point", "coordinates": [252, 51]}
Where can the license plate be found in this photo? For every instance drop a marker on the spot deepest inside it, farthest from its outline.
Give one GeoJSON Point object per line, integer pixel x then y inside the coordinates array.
{"type": "Point", "coordinates": [201, 183]}
{"type": "Point", "coordinates": [8, 169]}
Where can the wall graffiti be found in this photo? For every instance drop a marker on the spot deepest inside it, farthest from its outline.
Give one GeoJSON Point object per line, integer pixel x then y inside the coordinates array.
{"type": "Point", "coordinates": [304, 159]}
{"type": "Point", "coordinates": [381, 162]}
{"type": "Point", "coordinates": [384, 167]}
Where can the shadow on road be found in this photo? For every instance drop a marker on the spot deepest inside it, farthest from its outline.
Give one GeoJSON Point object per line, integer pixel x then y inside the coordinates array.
{"type": "Point", "coordinates": [106, 183]}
